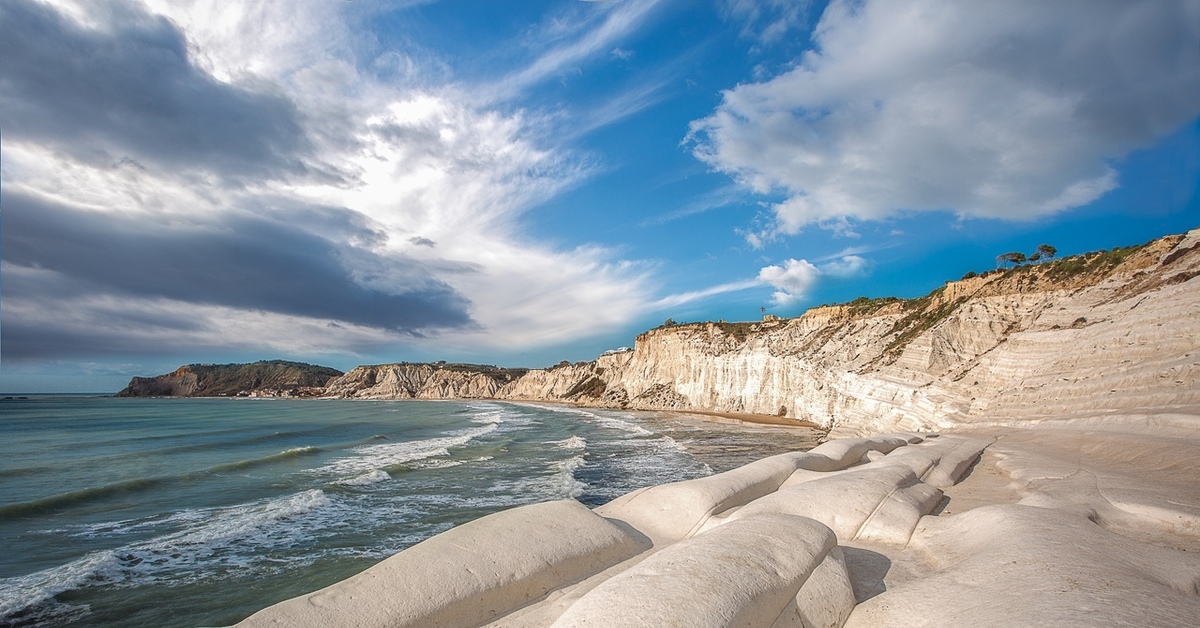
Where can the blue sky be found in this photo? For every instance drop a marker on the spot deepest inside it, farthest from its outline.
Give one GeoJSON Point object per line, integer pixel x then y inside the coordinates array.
{"type": "Point", "coordinates": [523, 183]}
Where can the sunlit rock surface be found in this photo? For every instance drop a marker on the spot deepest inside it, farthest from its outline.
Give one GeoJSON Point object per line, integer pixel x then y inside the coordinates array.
{"type": "Point", "coordinates": [1117, 332]}
{"type": "Point", "coordinates": [1093, 525]}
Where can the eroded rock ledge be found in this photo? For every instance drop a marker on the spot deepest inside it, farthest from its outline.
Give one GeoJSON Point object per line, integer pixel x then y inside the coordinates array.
{"type": "Point", "coordinates": [856, 532]}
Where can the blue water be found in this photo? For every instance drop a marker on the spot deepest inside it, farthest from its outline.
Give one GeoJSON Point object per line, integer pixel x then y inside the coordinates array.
{"type": "Point", "coordinates": [198, 512]}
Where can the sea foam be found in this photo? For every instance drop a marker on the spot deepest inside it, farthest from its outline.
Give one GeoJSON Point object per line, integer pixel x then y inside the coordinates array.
{"type": "Point", "coordinates": [194, 552]}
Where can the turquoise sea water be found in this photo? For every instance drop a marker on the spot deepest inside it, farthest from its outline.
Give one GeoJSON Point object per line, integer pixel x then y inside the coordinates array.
{"type": "Point", "coordinates": [198, 512]}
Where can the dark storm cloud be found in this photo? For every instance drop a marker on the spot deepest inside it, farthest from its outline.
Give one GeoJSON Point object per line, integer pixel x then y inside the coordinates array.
{"type": "Point", "coordinates": [235, 261]}
{"type": "Point", "coordinates": [130, 90]}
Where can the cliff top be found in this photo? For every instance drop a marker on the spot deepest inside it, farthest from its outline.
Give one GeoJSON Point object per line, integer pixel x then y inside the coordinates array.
{"type": "Point", "coordinates": [1068, 273]}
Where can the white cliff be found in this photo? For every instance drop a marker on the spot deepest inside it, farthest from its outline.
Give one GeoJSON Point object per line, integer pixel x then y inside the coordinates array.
{"type": "Point", "coordinates": [1111, 333]}
{"type": "Point", "coordinates": [421, 381]}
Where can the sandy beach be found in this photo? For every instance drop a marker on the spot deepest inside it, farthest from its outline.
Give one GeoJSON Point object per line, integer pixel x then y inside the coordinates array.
{"type": "Point", "coordinates": [753, 419]}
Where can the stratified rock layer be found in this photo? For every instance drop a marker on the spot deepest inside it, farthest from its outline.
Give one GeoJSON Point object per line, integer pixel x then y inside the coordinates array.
{"type": "Point", "coordinates": [1112, 332]}
{"type": "Point", "coordinates": [421, 381]}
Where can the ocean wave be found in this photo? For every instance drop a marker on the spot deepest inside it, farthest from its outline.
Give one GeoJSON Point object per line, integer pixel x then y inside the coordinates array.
{"type": "Point", "coordinates": [63, 500]}
{"type": "Point", "coordinates": [666, 443]}
{"type": "Point", "coordinates": [23, 471]}
{"type": "Point", "coordinates": [72, 498]}
{"type": "Point", "coordinates": [194, 552]}
{"type": "Point", "coordinates": [371, 477]}
{"type": "Point", "coordinates": [606, 419]}
{"type": "Point", "coordinates": [623, 425]}
{"type": "Point", "coordinates": [392, 455]}
{"type": "Point", "coordinates": [565, 482]}
{"type": "Point", "coordinates": [287, 454]}
{"type": "Point", "coordinates": [444, 464]}
{"type": "Point", "coordinates": [498, 414]}
{"type": "Point", "coordinates": [574, 442]}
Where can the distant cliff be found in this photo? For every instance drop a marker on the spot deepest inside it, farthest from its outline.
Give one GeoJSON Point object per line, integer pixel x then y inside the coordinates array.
{"type": "Point", "coordinates": [422, 381]}
{"type": "Point", "coordinates": [1106, 333]}
{"type": "Point", "coordinates": [264, 378]}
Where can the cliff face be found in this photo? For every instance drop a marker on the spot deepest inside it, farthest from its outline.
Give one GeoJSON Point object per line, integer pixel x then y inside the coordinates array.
{"type": "Point", "coordinates": [265, 378]}
{"type": "Point", "coordinates": [1111, 333]}
{"type": "Point", "coordinates": [421, 381]}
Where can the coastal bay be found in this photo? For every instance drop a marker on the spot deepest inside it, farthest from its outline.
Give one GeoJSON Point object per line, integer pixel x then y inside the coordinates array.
{"type": "Point", "coordinates": [159, 512]}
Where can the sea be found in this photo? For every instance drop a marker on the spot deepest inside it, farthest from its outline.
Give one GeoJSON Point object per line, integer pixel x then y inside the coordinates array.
{"type": "Point", "coordinates": [199, 512]}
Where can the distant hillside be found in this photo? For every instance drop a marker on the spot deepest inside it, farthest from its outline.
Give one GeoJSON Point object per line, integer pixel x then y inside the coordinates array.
{"type": "Point", "coordinates": [423, 381]}
{"type": "Point", "coordinates": [264, 378]}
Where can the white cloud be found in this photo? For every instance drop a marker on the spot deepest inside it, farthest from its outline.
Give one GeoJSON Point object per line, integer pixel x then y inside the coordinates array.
{"type": "Point", "coordinates": [696, 295]}
{"type": "Point", "coordinates": [792, 280]}
{"type": "Point", "coordinates": [620, 21]}
{"type": "Point", "coordinates": [420, 165]}
{"type": "Point", "coordinates": [998, 109]}
{"type": "Point", "coordinates": [795, 278]}
{"type": "Point", "coordinates": [846, 267]}
{"type": "Point", "coordinates": [767, 21]}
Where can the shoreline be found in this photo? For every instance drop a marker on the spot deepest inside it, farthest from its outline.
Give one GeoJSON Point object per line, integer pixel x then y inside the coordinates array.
{"type": "Point", "coordinates": [709, 415]}
{"type": "Point", "coordinates": [748, 418]}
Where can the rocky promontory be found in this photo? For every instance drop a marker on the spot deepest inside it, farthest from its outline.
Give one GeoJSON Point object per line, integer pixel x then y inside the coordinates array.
{"type": "Point", "coordinates": [277, 378]}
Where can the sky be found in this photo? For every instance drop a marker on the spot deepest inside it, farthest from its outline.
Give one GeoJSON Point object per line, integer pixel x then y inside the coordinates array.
{"type": "Point", "coordinates": [350, 182]}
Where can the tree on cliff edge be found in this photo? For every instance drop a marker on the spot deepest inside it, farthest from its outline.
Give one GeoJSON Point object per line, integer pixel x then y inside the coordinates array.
{"type": "Point", "coordinates": [1015, 257]}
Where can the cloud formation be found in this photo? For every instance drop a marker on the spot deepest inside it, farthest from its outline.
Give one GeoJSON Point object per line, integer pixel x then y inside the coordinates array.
{"type": "Point", "coordinates": [236, 261]}
{"type": "Point", "coordinates": [54, 317]}
{"type": "Point", "coordinates": [248, 176]}
{"type": "Point", "coordinates": [792, 280]}
{"type": "Point", "coordinates": [1002, 109]}
{"type": "Point", "coordinates": [126, 88]}
{"type": "Point", "coordinates": [795, 278]}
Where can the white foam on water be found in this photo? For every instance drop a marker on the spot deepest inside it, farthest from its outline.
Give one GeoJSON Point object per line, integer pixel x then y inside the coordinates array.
{"type": "Point", "coordinates": [137, 526]}
{"type": "Point", "coordinates": [181, 556]}
{"type": "Point", "coordinates": [610, 420]}
{"type": "Point", "coordinates": [371, 457]}
{"type": "Point", "coordinates": [446, 464]}
{"type": "Point", "coordinates": [574, 442]}
{"type": "Point", "coordinates": [565, 482]}
{"type": "Point", "coordinates": [27, 592]}
{"type": "Point", "coordinates": [497, 414]}
{"type": "Point", "coordinates": [371, 477]}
